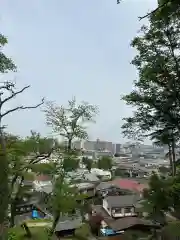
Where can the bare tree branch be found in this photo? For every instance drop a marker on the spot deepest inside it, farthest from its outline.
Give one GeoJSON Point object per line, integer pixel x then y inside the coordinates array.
{"type": "Point", "coordinates": [22, 108]}
{"type": "Point", "coordinates": [7, 85]}
{"type": "Point", "coordinates": [14, 94]}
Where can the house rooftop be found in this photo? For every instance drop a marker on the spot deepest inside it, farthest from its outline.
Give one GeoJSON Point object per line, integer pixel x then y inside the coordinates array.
{"type": "Point", "coordinates": [121, 223]}
{"type": "Point", "coordinates": [84, 185]}
{"type": "Point", "coordinates": [91, 177]}
{"type": "Point", "coordinates": [121, 201]}
{"type": "Point", "coordinates": [68, 224]}
{"type": "Point", "coordinates": [128, 222]}
{"type": "Point", "coordinates": [104, 186]}
{"type": "Point", "coordinates": [129, 184]}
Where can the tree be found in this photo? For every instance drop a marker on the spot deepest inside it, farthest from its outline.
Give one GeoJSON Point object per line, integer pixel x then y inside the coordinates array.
{"type": "Point", "coordinates": [156, 95]}
{"type": "Point", "coordinates": [65, 195]}
{"type": "Point", "coordinates": [24, 155]}
{"type": "Point", "coordinates": [6, 64]}
{"type": "Point", "coordinates": [167, 137]}
{"type": "Point", "coordinates": [158, 197]}
{"type": "Point", "coordinates": [69, 122]}
{"type": "Point", "coordinates": [88, 163]}
{"type": "Point", "coordinates": [63, 200]}
{"type": "Point", "coordinates": [8, 93]}
{"type": "Point", "coordinates": [165, 8]}
{"type": "Point", "coordinates": [105, 163]}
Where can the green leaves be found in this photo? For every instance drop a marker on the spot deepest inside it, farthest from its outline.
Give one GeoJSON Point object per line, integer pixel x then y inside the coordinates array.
{"type": "Point", "coordinates": [156, 96]}
{"type": "Point", "coordinates": [6, 64]}
{"type": "Point", "coordinates": [63, 198]}
{"type": "Point", "coordinates": [88, 163]}
{"type": "Point", "coordinates": [105, 163]}
{"type": "Point", "coordinates": [158, 195]}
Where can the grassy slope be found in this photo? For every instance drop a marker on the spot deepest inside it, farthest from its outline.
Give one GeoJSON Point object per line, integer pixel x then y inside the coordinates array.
{"type": "Point", "coordinates": [37, 233]}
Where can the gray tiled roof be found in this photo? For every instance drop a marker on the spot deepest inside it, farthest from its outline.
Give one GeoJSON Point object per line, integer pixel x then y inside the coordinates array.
{"type": "Point", "coordinates": [128, 222]}
{"type": "Point", "coordinates": [121, 201]}
{"type": "Point", "coordinates": [91, 177]}
{"type": "Point", "coordinates": [68, 224]}
{"type": "Point", "coordinates": [103, 186]}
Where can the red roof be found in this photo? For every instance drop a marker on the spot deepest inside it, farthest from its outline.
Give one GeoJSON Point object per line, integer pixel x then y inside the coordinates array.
{"type": "Point", "coordinates": [129, 184]}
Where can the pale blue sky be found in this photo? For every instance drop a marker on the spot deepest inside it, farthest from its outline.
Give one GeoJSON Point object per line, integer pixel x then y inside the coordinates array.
{"type": "Point", "coordinates": [73, 47]}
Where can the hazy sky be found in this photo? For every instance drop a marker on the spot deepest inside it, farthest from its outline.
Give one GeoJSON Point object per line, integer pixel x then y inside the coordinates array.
{"type": "Point", "coordinates": [66, 48]}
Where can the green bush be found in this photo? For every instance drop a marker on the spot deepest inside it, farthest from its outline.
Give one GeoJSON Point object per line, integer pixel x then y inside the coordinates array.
{"type": "Point", "coordinates": [12, 236]}
{"type": "Point", "coordinates": [83, 232]}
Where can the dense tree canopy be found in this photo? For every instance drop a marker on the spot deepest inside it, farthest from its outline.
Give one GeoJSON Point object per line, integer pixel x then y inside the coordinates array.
{"type": "Point", "coordinates": [156, 92]}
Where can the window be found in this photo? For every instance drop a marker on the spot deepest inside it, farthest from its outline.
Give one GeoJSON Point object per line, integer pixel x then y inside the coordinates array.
{"type": "Point", "coordinates": [127, 210]}
{"type": "Point", "coordinates": [117, 210]}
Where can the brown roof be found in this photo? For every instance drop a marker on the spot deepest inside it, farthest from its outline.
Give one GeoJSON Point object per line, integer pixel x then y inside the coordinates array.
{"type": "Point", "coordinates": [127, 222]}
{"type": "Point", "coordinates": [121, 223]}
{"type": "Point", "coordinates": [100, 211]}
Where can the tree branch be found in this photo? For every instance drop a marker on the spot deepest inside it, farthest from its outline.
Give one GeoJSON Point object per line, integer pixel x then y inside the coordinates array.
{"type": "Point", "coordinates": [14, 94]}
{"type": "Point", "coordinates": [22, 108]}
{"type": "Point", "coordinates": [156, 9]}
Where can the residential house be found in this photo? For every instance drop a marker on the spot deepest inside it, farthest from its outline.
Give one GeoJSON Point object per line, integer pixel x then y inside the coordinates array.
{"type": "Point", "coordinates": [131, 185]}
{"type": "Point", "coordinates": [103, 175]}
{"type": "Point", "coordinates": [41, 181]}
{"type": "Point", "coordinates": [67, 227]}
{"type": "Point", "coordinates": [88, 189]}
{"type": "Point", "coordinates": [123, 219]}
{"type": "Point", "coordinates": [108, 189]}
{"type": "Point", "coordinates": [120, 206]}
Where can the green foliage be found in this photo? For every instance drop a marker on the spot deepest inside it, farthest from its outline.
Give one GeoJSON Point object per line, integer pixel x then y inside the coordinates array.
{"type": "Point", "coordinates": [23, 156]}
{"type": "Point", "coordinates": [6, 64]}
{"type": "Point", "coordinates": [63, 199]}
{"type": "Point", "coordinates": [156, 95]}
{"type": "Point", "coordinates": [43, 168]}
{"type": "Point", "coordinates": [105, 163]}
{"type": "Point", "coordinates": [171, 231]}
{"type": "Point", "coordinates": [83, 233]}
{"type": "Point", "coordinates": [70, 161]}
{"type": "Point", "coordinates": [158, 197]}
{"type": "Point", "coordinates": [18, 233]}
{"type": "Point", "coordinates": [88, 163]}
{"type": "Point", "coordinates": [164, 170]}
{"type": "Point", "coordinates": [120, 173]}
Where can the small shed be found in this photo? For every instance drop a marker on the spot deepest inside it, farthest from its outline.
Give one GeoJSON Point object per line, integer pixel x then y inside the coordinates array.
{"type": "Point", "coordinates": [67, 227]}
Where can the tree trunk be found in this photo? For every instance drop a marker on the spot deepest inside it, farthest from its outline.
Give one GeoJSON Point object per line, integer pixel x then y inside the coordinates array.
{"type": "Point", "coordinates": [14, 202]}
{"type": "Point", "coordinates": [4, 231]}
{"type": "Point", "coordinates": [12, 222]}
{"type": "Point", "coordinates": [170, 159]}
{"type": "Point", "coordinates": [55, 221]}
{"type": "Point", "coordinates": [173, 156]}
{"type": "Point", "coordinates": [27, 230]}
{"type": "Point", "coordinates": [4, 189]}
{"type": "Point", "coordinates": [69, 144]}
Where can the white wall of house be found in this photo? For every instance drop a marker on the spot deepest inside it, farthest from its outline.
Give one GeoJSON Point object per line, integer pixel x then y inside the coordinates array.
{"type": "Point", "coordinates": [122, 211]}
{"type": "Point", "coordinates": [39, 184]}
{"type": "Point", "coordinates": [106, 207]}
{"type": "Point", "coordinates": [103, 174]}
